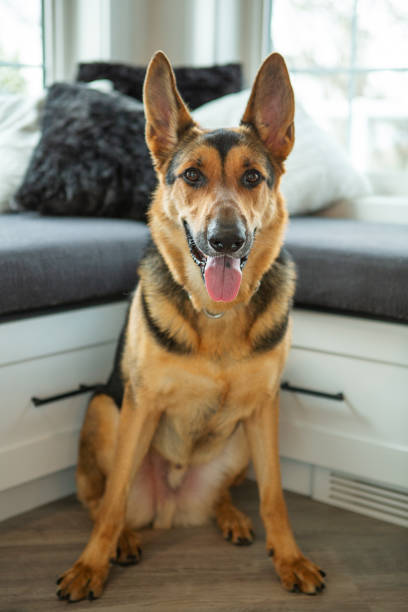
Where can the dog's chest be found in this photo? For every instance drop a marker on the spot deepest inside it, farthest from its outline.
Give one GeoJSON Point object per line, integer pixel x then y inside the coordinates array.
{"type": "Point", "coordinates": [202, 409]}
{"type": "Point", "coordinates": [195, 432]}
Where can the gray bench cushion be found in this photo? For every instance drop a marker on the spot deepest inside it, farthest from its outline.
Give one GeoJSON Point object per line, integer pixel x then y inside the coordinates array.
{"type": "Point", "coordinates": [351, 266]}
{"type": "Point", "coordinates": [59, 261]}
{"type": "Point", "coordinates": [343, 265]}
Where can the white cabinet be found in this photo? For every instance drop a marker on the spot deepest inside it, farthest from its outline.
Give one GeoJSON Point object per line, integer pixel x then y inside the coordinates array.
{"type": "Point", "coordinates": [42, 439]}
{"type": "Point", "coordinates": [44, 357]}
{"type": "Point", "coordinates": [364, 435]}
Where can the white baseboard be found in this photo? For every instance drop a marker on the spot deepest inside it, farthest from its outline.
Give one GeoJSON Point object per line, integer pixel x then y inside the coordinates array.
{"type": "Point", "coordinates": [36, 493]}
{"type": "Point", "coordinates": [296, 476]}
{"type": "Point", "coordinates": [364, 496]}
{"type": "Point", "coordinates": [374, 499]}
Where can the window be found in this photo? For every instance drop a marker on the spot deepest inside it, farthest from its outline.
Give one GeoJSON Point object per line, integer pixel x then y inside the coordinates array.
{"type": "Point", "coordinates": [21, 46]}
{"type": "Point", "coordinates": [349, 64]}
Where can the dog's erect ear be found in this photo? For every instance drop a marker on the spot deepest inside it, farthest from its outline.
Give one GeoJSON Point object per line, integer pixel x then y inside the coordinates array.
{"type": "Point", "coordinates": [167, 116]}
{"type": "Point", "coordinates": [271, 107]}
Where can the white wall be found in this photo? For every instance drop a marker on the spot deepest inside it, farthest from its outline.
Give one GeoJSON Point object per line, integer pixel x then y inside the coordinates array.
{"type": "Point", "coordinates": [191, 32]}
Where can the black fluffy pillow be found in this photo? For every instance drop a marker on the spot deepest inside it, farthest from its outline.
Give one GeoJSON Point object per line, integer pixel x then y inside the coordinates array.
{"type": "Point", "coordinates": [92, 158]}
{"type": "Point", "coordinates": [196, 85]}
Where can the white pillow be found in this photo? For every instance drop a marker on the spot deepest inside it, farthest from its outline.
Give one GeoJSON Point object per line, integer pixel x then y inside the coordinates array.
{"type": "Point", "coordinates": [318, 172]}
{"type": "Point", "coordinates": [19, 134]}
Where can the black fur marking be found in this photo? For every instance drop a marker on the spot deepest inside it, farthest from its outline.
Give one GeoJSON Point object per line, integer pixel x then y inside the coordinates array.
{"type": "Point", "coordinates": [277, 284]}
{"type": "Point", "coordinates": [162, 336]}
{"type": "Point", "coordinates": [185, 137]}
{"type": "Point", "coordinates": [223, 141]}
{"type": "Point", "coordinates": [271, 172]}
{"type": "Point", "coordinates": [273, 337]}
{"type": "Point", "coordinates": [184, 129]}
{"type": "Point", "coordinates": [171, 168]}
{"type": "Point", "coordinates": [114, 388]}
{"type": "Point", "coordinates": [162, 280]}
{"type": "Point", "coordinates": [271, 284]}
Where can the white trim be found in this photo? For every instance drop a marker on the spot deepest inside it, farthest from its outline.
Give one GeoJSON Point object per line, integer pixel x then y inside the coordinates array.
{"type": "Point", "coordinates": [92, 20]}
{"type": "Point", "coordinates": [266, 27]}
{"type": "Point", "coordinates": [350, 336]}
{"type": "Point", "coordinates": [365, 458]}
{"type": "Point", "coordinates": [296, 476]}
{"type": "Point", "coordinates": [36, 493]}
{"type": "Point", "coordinates": [225, 23]}
{"type": "Point", "coordinates": [75, 31]}
{"type": "Point", "coordinates": [51, 334]}
{"type": "Point", "coordinates": [105, 26]}
{"type": "Point", "coordinates": [37, 458]}
{"type": "Point", "coordinates": [53, 42]}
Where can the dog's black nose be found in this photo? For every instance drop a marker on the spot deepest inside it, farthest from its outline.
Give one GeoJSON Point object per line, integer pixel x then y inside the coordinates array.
{"type": "Point", "coordinates": [226, 238]}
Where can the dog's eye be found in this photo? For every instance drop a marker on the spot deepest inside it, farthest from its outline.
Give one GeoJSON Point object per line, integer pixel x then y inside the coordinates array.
{"type": "Point", "coordinates": [251, 178]}
{"type": "Point", "coordinates": [192, 175]}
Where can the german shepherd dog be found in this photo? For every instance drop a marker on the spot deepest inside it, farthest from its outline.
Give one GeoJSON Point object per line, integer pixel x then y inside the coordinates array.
{"type": "Point", "coordinates": [206, 338]}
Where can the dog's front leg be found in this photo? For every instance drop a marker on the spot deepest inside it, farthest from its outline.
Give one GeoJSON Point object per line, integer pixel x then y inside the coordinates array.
{"type": "Point", "coordinates": [295, 571]}
{"type": "Point", "coordinates": [136, 428]}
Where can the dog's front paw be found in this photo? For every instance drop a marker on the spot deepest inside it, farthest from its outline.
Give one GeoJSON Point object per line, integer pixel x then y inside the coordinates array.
{"type": "Point", "coordinates": [82, 581]}
{"type": "Point", "coordinates": [236, 526]}
{"type": "Point", "coordinates": [128, 550]}
{"type": "Point", "coordinates": [300, 575]}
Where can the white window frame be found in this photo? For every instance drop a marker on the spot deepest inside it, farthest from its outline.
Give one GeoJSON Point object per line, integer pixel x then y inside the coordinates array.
{"type": "Point", "coordinates": [42, 65]}
{"type": "Point", "coordinates": [74, 31]}
{"type": "Point", "coordinates": [393, 181]}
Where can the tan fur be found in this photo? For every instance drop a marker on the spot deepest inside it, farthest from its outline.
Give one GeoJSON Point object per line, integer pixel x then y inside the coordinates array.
{"type": "Point", "coordinates": [202, 412]}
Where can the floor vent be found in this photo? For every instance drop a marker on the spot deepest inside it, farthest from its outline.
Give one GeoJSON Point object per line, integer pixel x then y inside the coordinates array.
{"type": "Point", "coordinates": [361, 496]}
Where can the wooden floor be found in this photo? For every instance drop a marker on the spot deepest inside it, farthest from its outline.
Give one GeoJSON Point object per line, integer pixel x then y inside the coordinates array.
{"type": "Point", "coordinates": [195, 569]}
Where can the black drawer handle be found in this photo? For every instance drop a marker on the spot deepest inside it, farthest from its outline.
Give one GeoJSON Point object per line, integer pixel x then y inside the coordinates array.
{"type": "Point", "coordinates": [339, 397]}
{"type": "Point", "coordinates": [40, 401]}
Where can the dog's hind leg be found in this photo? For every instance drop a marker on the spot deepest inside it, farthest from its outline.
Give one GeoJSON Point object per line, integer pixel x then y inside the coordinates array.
{"type": "Point", "coordinates": [96, 452]}
{"type": "Point", "coordinates": [135, 431]}
{"type": "Point", "coordinates": [96, 449]}
{"type": "Point", "coordinates": [235, 526]}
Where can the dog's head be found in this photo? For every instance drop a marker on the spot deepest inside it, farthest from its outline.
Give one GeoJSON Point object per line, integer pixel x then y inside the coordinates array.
{"type": "Point", "coordinates": [218, 202]}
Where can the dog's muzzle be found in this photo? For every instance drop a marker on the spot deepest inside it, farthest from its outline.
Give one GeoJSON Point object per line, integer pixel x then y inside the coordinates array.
{"type": "Point", "coordinates": [221, 255]}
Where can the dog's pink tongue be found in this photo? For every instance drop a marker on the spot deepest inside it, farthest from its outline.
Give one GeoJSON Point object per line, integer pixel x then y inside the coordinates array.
{"type": "Point", "coordinates": [223, 278]}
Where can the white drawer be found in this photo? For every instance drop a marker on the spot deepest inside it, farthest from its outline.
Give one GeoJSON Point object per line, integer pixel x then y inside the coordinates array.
{"type": "Point", "coordinates": [366, 434]}
{"type": "Point", "coordinates": [38, 440]}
